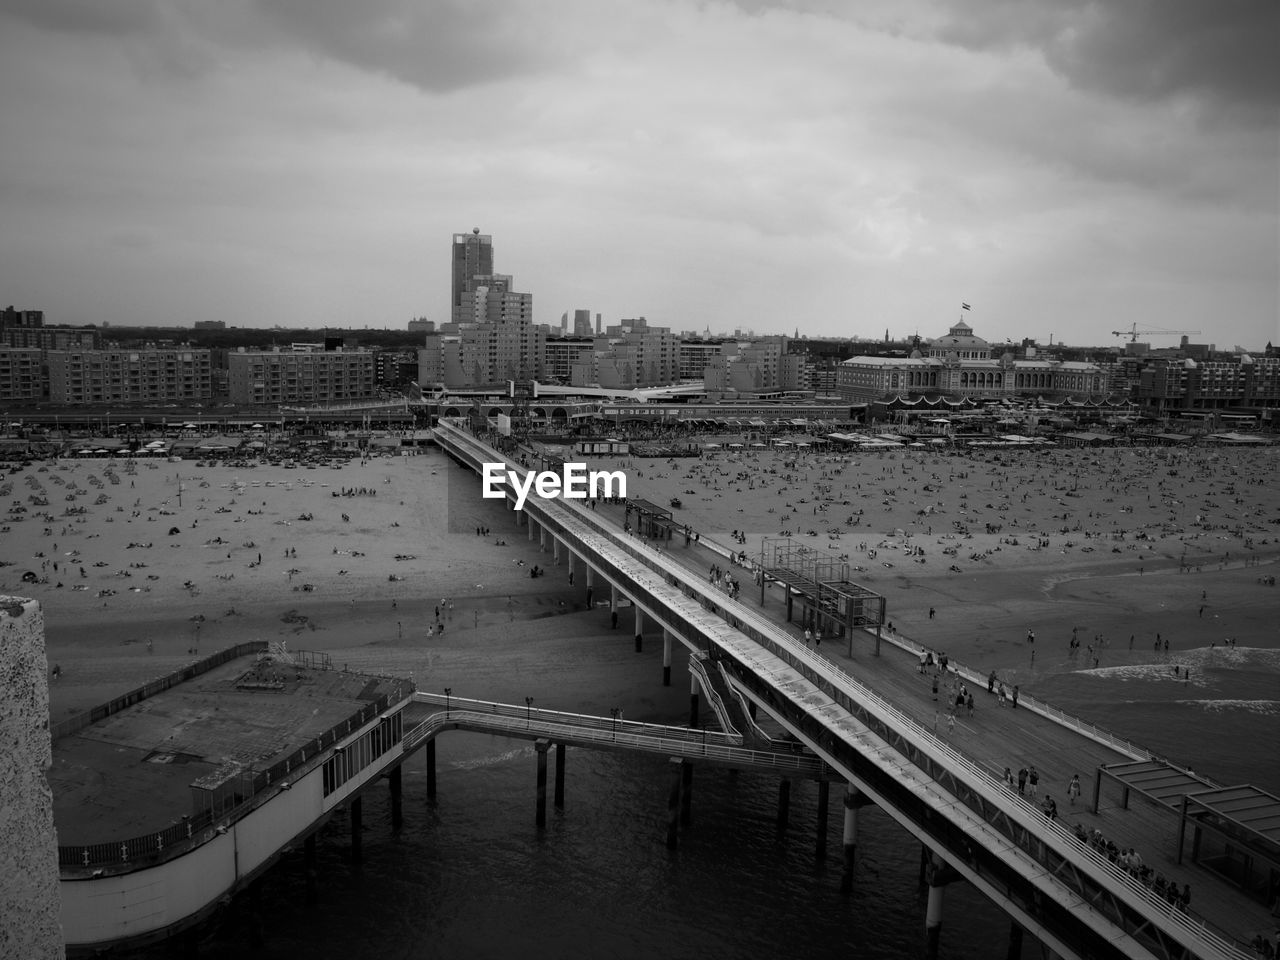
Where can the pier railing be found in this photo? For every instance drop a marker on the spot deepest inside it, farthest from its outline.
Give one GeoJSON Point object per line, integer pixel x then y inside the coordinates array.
{"type": "Point", "coordinates": [250, 790]}
{"type": "Point", "coordinates": [1032, 827]}
{"type": "Point", "coordinates": [562, 726]}
{"type": "Point", "coordinates": [70, 725]}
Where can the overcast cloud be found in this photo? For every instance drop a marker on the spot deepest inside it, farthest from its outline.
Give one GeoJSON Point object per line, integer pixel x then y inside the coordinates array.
{"type": "Point", "coordinates": [1068, 168]}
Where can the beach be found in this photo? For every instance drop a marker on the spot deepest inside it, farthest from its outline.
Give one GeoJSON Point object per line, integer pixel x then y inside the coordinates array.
{"type": "Point", "coordinates": [170, 561]}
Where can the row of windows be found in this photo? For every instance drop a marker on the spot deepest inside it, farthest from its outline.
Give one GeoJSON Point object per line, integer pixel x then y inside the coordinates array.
{"type": "Point", "coordinates": [347, 761]}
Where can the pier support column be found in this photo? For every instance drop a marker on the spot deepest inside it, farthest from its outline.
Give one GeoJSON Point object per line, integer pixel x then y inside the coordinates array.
{"type": "Point", "coordinates": [309, 867]}
{"type": "Point", "coordinates": [357, 828]}
{"type": "Point", "coordinates": [394, 784]}
{"type": "Point", "coordinates": [555, 550]}
{"type": "Point", "coordinates": [784, 803]}
{"type": "Point", "coordinates": [1015, 941]}
{"type": "Point", "coordinates": [639, 629]}
{"type": "Point", "coordinates": [686, 793]}
{"type": "Point", "coordinates": [591, 577]}
{"type": "Point", "coordinates": [824, 802]}
{"type": "Point", "coordinates": [542, 539]}
{"type": "Point", "coordinates": [255, 912]}
{"type": "Point", "coordinates": [528, 522]}
{"type": "Point", "coordinates": [666, 657]}
{"type": "Point", "coordinates": [853, 799]}
{"type": "Point", "coordinates": [540, 818]}
{"type": "Point", "coordinates": [569, 559]}
{"type": "Point", "coordinates": [431, 770]}
{"type": "Point", "coordinates": [673, 804]}
{"type": "Point", "coordinates": [693, 699]}
{"type": "Point", "coordinates": [933, 920]}
{"type": "Point", "coordinates": [559, 799]}
{"type": "Point", "coordinates": [937, 874]}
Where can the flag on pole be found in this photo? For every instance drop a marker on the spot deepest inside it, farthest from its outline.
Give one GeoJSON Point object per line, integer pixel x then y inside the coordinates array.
{"type": "Point", "coordinates": [964, 306]}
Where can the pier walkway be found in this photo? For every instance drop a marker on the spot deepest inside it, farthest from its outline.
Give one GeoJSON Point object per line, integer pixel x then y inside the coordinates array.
{"type": "Point", "coordinates": [872, 719]}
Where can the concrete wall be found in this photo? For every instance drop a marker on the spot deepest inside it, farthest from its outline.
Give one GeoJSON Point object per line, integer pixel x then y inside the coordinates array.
{"type": "Point", "coordinates": [29, 895]}
{"type": "Point", "coordinates": [96, 912]}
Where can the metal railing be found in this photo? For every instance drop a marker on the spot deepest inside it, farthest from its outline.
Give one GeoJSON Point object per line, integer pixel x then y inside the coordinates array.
{"type": "Point", "coordinates": [560, 726]}
{"type": "Point", "coordinates": [195, 829]}
{"type": "Point", "coordinates": [838, 684]}
{"type": "Point", "coordinates": [70, 725]}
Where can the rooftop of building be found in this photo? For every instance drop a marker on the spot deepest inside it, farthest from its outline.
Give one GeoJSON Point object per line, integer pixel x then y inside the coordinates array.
{"type": "Point", "coordinates": [131, 773]}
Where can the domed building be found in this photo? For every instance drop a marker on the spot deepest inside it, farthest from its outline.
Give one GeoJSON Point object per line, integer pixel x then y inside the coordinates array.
{"type": "Point", "coordinates": [960, 366]}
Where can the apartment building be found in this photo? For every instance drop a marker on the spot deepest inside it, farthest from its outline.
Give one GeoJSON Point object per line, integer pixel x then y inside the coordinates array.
{"type": "Point", "coordinates": [129, 376]}
{"type": "Point", "coordinates": [21, 374]}
{"type": "Point", "coordinates": [279, 376]}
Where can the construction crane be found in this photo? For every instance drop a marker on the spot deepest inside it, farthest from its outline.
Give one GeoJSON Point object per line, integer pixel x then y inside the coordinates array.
{"type": "Point", "coordinates": [1133, 332]}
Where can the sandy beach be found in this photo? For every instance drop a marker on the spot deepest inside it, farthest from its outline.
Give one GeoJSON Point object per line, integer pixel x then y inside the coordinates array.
{"type": "Point", "coordinates": [171, 560]}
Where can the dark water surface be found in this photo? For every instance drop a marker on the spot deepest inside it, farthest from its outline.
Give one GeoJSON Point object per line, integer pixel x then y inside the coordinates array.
{"type": "Point", "coordinates": [471, 877]}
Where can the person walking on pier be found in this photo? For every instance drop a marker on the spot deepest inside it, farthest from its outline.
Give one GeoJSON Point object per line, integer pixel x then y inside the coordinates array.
{"type": "Point", "coordinates": [1073, 788]}
{"type": "Point", "coordinates": [1022, 781]}
{"type": "Point", "coordinates": [991, 682]}
{"type": "Point", "coordinates": [1033, 781]}
{"type": "Point", "coordinates": [1013, 700]}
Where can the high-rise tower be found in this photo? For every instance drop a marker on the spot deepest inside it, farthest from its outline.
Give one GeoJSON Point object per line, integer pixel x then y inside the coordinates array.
{"type": "Point", "coordinates": [472, 257]}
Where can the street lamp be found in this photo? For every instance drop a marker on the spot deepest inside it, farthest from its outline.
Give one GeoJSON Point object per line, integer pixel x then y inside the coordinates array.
{"type": "Point", "coordinates": [528, 711]}
{"type": "Point", "coordinates": [447, 692]}
{"type": "Point", "coordinates": [615, 712]}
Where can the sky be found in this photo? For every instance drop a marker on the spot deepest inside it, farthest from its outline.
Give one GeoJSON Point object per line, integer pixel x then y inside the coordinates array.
{"type": "Point", "coordinates": [1067, 168]}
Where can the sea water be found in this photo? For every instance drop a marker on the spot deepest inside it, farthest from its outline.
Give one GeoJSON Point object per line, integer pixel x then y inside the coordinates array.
{"type": "Point", "coordinates": [470, 876]}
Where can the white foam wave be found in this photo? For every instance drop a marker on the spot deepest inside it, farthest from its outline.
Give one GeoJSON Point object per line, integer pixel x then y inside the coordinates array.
{"type": "Point", "coordinates": [1150, 672]}
{"type": "Point", "coordinates": [1265, 708]}
{"type": "Point", "coordinates": [1197, 660]}
{"type": "Point", "coordinates": [476, 763]}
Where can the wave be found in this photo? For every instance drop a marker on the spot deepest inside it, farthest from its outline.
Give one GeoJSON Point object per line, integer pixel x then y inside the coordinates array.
{"type": "Point", "coordinates": [1266, 708]}
{"type": "Point", "coordinates": [1199, 661]}
{"type": "Point", "coordinates": [476, 763]}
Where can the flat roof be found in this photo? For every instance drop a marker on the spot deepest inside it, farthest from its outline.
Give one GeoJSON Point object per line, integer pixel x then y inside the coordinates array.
{"type": "Point", "coordinates": [131, 773]}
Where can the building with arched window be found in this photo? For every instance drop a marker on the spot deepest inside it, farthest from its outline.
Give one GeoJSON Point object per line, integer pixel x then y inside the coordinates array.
{"type": "Point", "coordinates": [961, 365]}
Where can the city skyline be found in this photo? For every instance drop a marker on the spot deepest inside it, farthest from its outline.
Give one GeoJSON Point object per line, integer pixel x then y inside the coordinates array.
{"type": "Point", "coordinates": [1066, 170]}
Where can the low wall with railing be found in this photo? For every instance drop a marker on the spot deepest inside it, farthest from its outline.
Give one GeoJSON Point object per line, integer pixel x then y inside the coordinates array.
{"type": "Point", "coordinates": [177, 839]}
{"type": "Point", "coordinates": [70, 725]}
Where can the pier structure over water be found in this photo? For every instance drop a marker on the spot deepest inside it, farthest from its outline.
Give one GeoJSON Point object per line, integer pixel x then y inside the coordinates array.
{"type": "Point", "coordinates": [1063, 890]}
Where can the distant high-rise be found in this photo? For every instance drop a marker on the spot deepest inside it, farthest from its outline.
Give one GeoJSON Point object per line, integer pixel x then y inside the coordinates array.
{"type": "Point", "coordinates": [472, 257]}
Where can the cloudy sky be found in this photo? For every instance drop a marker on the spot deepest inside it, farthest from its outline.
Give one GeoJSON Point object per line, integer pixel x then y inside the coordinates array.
{"type": "Point", "coordinates": [1068, 168]}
